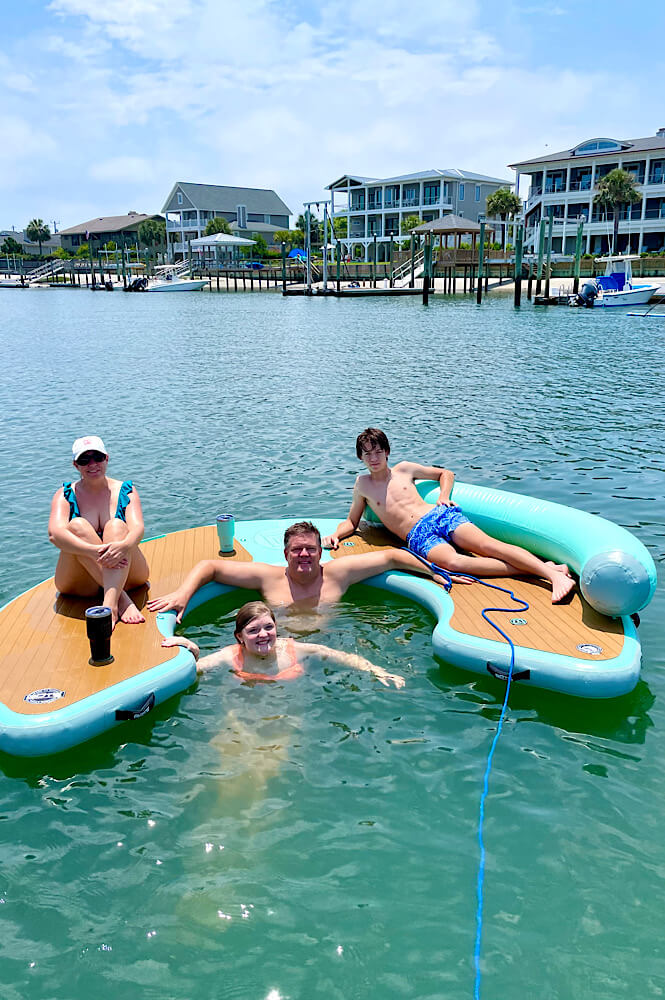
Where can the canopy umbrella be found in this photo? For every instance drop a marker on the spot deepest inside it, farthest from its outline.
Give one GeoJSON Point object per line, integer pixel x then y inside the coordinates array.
{"type": "Point", "coordinates": [222, 240]}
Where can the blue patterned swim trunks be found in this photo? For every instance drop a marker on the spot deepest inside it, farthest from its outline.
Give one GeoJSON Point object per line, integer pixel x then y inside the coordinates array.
{"type": "Point", "coordinates": [433, 528]}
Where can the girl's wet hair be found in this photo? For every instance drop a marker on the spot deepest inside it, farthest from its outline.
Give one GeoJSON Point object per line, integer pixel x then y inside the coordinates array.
{"type": "Point", "coordinates": [250, 611]}
{"type": "Point", "coordinates": [370, 438]}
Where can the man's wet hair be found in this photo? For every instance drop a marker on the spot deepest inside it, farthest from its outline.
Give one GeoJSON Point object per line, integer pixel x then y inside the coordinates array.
{"type": "Point", "coordinates": [301, 528]}
{"type": "Point", "coordinates": [370, 438]}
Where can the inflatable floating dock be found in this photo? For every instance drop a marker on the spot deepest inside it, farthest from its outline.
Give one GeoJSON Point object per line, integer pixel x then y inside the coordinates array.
{"type": "Point", "coordinates": [52, 698]}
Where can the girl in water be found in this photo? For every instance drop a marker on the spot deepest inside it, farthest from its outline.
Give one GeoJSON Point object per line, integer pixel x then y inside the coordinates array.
{"type": "Point", "coordinates": [260, 656]}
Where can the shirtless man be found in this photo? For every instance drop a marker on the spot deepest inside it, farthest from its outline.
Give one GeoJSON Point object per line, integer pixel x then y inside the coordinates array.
{"type": "Point", "coordinates": [303, 581]}
{"type": "Point", "coordinates": [97, 524]}
{"type": "Point", "coordinates": [435, 531]}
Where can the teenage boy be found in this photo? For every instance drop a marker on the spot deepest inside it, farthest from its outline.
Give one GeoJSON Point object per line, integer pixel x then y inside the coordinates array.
{"type": "Point", "coordinates": [435, 532]}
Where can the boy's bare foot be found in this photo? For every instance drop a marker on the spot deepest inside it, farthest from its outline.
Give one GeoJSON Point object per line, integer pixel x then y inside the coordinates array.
{"type": "Point", "coordinates": [560, 566]}
{"type": "Point", "coordinates": [562, 584]}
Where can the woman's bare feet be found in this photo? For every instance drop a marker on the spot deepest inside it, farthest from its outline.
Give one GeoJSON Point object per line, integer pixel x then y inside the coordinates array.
{"type": "Point", "coordinates": [129, 613]}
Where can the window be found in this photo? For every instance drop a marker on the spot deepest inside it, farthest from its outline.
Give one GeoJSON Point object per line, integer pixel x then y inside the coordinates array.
{"type": "Point", "coordinates": [392, 196]}
{"type": "Point", "coordinates": [374, 198]}
{"type": "Point", "coordinates": [410, 195]}
{"type": "Point", "coordinates": [242, 216]}
{"type": "Point", "coordinates": [596, 146]}
{"type": "Point", "coordinates": [477, 192]}
{"type": "Point", "coordinates": [461, 192]}
{"type": "Point", "coordinates": [656, 172]}
{"type": "Point", "coordinates": [180, 197]}
{"type": "Point", "coordinates": [431, 190]}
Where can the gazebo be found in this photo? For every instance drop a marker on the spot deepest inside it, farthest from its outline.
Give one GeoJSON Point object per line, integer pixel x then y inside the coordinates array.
{"type": "Point", "coordinates": [452, 225]}
{"type": "Point", "coordinates": [221, 241]}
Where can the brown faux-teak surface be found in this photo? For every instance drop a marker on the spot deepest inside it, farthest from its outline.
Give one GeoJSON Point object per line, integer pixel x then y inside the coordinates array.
{"type": "Point", "coordinates": [43, 641]}
{"type": "Point", "coordinates": [553, 628]}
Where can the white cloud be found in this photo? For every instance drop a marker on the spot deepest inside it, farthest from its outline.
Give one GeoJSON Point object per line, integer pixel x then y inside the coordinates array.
{"type": "Point", "coordinates": [125, 169]}
{"type": "Point", "coordinates": [144, 92]}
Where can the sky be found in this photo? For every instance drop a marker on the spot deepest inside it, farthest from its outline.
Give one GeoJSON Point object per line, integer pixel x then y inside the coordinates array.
{"type": "Point", "coordinates": [104, 106]}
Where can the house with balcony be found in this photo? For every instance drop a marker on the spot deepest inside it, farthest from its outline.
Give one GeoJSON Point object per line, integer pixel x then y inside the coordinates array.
{"type": "Point", "coordinates": [190, 207]}
{"type": "Point", "coordinates": [563, 185]}
{"type": "Point", "coordinates": [374, 208]}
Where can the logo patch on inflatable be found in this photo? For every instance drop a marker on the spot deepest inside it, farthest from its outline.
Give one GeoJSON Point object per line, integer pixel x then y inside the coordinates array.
{"type": "Point", "coordinates": [44, 695]}
{"type": "Point", "coordinates": [590, 648]}
{"type": "Point", "coordinates": [518, 621]}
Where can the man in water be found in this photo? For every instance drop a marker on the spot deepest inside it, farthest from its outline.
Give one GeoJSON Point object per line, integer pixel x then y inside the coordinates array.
{"type": "Point", "coordinates": [435, 532]}
{"type": "Point", "coordinates": [302, 582]}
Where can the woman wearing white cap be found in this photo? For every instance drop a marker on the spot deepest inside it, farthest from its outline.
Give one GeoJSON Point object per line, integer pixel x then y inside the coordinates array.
{"type": "Point", "coordinates": [97, 524]}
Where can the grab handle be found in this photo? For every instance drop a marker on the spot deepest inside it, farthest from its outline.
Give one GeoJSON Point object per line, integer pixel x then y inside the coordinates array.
{"type": "Point", "coordinates": [503, 675]}
{"type": "Point", "coordinates": [123, 714]}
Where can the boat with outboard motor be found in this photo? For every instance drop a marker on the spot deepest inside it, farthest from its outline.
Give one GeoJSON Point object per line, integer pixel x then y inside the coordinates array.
{"type": "Point", "coordinates": [616, 287]}
{"type": "Point", "coordinates": [53, 697]}
{"type": "Point", "coordinates": [169, 282]}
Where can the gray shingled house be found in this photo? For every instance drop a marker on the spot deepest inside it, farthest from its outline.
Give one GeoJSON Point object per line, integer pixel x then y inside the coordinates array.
{"type": "Point", "coordinates": [122, 229]}
{"type": "Point", "coordinates": [189, 208]}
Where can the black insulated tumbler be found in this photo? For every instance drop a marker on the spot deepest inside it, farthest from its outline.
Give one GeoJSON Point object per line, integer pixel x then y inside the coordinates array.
{"type": "Point", "coordinates": [99, 625]}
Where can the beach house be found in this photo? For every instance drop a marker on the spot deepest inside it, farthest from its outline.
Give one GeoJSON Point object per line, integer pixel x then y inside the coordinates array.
{"type": "Point", "coordinates": [375, 208]}
{"type": "Point", "coordinates": [120, 229]}
{"type": "Point", "coordinates": [563, 185]}
{"type": "Point", "coordinates": [189, 207]}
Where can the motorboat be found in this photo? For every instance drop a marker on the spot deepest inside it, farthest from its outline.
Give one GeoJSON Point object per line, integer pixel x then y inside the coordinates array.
{"type": "Point", "coordinates": [176, 284]}
{"type": "Point", "coordinates": [169, 282]}
{"type": "Point", "coordinates": [616, 287]}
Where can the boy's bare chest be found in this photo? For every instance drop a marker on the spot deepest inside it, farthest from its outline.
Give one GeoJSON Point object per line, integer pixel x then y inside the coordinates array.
{"type": "Point", "coordinates": [398, 491]}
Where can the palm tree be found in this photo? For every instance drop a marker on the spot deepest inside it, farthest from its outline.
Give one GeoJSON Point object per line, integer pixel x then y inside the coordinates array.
{"type": "Point", "coordinates": [38, 232]}
{"type": "Point", "coordinates": [152, 233]}
{"type": "Point", "coordinates": [503, 203]}
{"type": "Point", "coordinates": [218, 225]}
{"type": "Point", "coordinates": [615, 190]}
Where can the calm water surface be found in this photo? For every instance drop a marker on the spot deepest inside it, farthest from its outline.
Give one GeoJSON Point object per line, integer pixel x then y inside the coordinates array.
{"type": "Point", "coordinates": [319, 839]}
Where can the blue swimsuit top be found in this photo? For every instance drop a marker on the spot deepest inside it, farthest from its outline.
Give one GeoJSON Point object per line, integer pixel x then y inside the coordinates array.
{"type": "Point", "coordinates": [123, 499]}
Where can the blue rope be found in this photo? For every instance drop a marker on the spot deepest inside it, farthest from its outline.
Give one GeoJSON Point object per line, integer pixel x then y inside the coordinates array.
{"type": "Point", "coordinates": [481, 819]}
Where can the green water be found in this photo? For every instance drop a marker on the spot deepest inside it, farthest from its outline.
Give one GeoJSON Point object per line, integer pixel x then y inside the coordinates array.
{"type": "Point", "coordinates": [319, 839]}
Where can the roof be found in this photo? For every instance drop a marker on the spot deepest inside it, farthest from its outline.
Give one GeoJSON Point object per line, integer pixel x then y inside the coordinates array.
{"type": "Point", "coordinates": [222, 240]}
{"type": "Point", "coordinates": [648, 144]}
{"type": "Point", "coordinates": [20, 236]}
{"type": "Point", "coordinates": [450, 173]}
{"type": "Point", "coordinates": [450, 224]}
{"type": "Point", "coordinates": [109, 224]}
{"type": "Point", "coordinates": [222, 198]}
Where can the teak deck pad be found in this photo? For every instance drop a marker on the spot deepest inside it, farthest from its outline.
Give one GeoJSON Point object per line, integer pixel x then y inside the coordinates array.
{"type": "Point", "coordinates": [44, 644]}
{"type": "Point", "coordinates": [44, 641]}
{"type": "Point", "coordinates": [553, 628]}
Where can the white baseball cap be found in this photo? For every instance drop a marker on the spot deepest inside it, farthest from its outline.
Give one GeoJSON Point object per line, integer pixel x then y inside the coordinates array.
{"type": "Point", "coordinates": [89, 443]}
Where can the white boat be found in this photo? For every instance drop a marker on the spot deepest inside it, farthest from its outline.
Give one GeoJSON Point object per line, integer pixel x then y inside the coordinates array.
{"type": "Point", "coordinates": [176, 284]}
{"type": "Point", "coordinates": [617, 288]}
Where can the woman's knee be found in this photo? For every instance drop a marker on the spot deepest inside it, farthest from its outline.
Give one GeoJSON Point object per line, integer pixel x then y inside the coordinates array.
{"type": "Point", "coordinates": [83, 529]}
{"type": "Point", "coordinates": [114, 530]}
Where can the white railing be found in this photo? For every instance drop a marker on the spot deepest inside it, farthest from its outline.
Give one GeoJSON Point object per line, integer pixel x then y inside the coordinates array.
{"type": "Point", "coordinates": [403, 272]}
{"type": "Point", "coordinates": [52, 267]}
{"type": "Point", "coordinates": [182, 267]}
{"type": "Point", "coordinates": [174, 225]}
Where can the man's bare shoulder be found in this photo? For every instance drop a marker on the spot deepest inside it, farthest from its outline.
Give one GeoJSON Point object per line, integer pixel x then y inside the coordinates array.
{"type": "Point", "coordinates": [267, 569]}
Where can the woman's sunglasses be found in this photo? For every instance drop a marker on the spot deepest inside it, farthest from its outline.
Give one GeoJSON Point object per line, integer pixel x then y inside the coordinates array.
{"type": "Point", "coordinates": [91, 456]}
